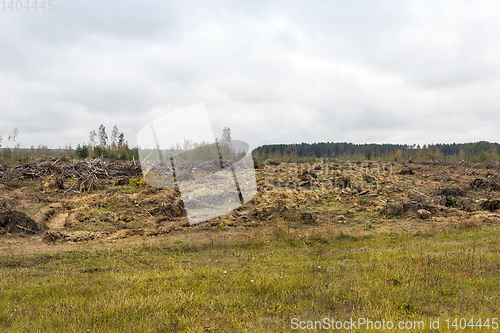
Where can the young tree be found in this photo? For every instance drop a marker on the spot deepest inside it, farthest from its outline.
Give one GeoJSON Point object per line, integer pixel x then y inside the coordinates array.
{"type": "Point", "coordinates": [103, 137]}
{"type": "Point", "coordinates": [461, 154]}
{"type": "Point", "coordinates": [226, 137]}
{"type": "Point", "coordinates": [68, 151]}
{"type": "Point", "coordinates": [481, 156]}
{"type": "Point", "coordinates": [225, 146]}
{"type": "Point", "coordinates": [99, 152]}
{"type": "Point", "coordinates": [82, 151]}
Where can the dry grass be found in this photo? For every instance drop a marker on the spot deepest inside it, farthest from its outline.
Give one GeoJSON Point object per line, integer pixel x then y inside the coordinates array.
{"type": "Point", "coordinates": [256, 284]}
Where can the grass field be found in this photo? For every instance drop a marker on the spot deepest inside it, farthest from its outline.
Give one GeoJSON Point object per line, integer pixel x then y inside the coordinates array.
{"type": "Point", "coordinates": [255, 284]}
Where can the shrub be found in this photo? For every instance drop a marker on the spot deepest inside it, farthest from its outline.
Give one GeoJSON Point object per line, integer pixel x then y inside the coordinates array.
{"type": "Point", "coordinates": [98, 152]}
{"type": "Point", "coordinates": [82, 151]}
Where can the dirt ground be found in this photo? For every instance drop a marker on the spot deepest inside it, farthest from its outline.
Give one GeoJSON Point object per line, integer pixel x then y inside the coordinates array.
{"type": "Point", "coordinates": [351, 198]}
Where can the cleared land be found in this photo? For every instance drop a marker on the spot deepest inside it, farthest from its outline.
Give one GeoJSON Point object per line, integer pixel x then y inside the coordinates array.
{"type": "Point", "coordinates": [395, 242]}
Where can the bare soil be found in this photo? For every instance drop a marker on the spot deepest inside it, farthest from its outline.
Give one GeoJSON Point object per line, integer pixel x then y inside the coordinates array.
{"type": "Point", "coordinates": [350, 198]}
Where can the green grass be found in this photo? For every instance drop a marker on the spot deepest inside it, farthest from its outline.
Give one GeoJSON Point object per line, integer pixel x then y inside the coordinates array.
{"type": "Point", "coordinates": [254, 285]}
{"type": "Point", "coordinates": [125, 189]}
{"type": "Point", "coordinates": [332, 204]}
{"type": "Point", "coordinates": [29, 211]}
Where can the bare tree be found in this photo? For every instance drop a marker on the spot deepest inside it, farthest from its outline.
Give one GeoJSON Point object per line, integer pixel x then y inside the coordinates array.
{"type": "Point", "coordinates": [114, 137]}
{"type": "Point", "coordinates": [103, 137]}
{"type": "Point", "coordinates": [13, 136]}
{"type": "Point", "coordinates": [92, 136]}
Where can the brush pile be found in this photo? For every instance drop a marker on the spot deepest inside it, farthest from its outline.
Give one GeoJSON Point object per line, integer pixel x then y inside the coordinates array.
{"type": "Point", "coordinates": [65, 169]}
{"type": "Point", "coordinates": [83, 173]}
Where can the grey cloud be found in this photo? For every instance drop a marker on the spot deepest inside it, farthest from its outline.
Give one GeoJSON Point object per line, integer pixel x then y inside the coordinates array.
{"type": "Point", "coordinates": [361, 71]}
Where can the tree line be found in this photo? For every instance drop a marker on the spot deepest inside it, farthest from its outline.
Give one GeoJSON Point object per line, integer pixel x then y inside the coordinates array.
{"type": "Point", "coordinates": [100, 145]}
{"type": "Point", "coordinates": [115, 146]}
{"type": "Point", "coordinates": [482, 151]}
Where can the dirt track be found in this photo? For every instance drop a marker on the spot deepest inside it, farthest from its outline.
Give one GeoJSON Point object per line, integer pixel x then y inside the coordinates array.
{"type": "Point", "coordinates": [354, 199]}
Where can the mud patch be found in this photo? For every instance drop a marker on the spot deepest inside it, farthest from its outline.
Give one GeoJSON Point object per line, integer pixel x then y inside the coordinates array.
{"type": "Point", "coordinates": [485, 184]}
{"type": "Point", "coordinates": [407, 172]}
{"type": "Point", "coordinates": [450, 192]}
{"type": "Point", "coordinates": [12, 221]}
{"type": "Point", "coordinates": [173, 209]}
{"type": "Point", "coordinates": [307, 218]}
{"type": "Point", "coordinates": [491, 205]}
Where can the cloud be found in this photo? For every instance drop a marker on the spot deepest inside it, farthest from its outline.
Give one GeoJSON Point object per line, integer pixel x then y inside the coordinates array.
{"type": "Point", "coordinates": [275, 72]}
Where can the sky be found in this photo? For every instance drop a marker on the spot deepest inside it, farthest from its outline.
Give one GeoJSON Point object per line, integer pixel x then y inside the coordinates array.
{"type": "Point", "coordinates": [273, 71]}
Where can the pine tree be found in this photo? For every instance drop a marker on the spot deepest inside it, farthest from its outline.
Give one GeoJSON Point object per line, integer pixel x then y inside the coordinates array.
{"type": "Point", "coordinates": [226, 137]}
{"type": "Point", "coordinates": [225, 144]}
{"type": "Point", "coordinates": [121, 140]}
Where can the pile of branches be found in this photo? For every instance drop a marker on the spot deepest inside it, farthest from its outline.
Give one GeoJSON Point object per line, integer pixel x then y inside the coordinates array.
{"type": "Point", "coordinates": [101, 169]}
{"type": "Point", "coordinates": [84, 172]}
{"type": "Point", "coordinates": [485, 184]}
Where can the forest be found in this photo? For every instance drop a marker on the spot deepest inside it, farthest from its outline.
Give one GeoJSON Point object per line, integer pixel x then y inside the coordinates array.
{"type": "Point", "coordinates": [482, 151]}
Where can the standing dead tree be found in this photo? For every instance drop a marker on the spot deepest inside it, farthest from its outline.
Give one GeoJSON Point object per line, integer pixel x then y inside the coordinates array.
{"type": "Point", "coordinates": [103, 137]}
{"type": "Point", "coordinates": [92, 136]}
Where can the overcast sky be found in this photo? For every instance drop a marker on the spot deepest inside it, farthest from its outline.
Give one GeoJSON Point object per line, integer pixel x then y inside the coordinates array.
{"type": "Point", "coordinates": [273, 71]}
